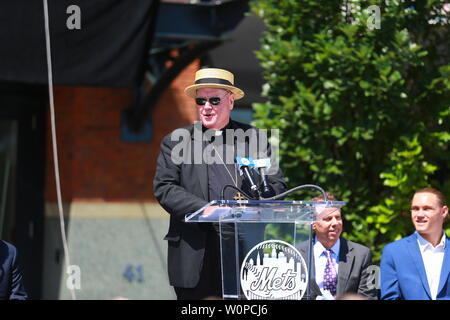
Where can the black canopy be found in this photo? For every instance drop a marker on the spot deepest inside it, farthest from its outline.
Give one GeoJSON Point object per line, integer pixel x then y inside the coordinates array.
{"type": "Point", "coordinates": [109, 49]}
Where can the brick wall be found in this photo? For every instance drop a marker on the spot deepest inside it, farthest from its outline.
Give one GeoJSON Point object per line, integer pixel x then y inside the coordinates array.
{"type": "Point", "coordinates": [95, 164]}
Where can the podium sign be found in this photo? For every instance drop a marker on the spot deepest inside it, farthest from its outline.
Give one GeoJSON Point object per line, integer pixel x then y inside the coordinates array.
{"type": "Point", "coordinates": [259, 243]}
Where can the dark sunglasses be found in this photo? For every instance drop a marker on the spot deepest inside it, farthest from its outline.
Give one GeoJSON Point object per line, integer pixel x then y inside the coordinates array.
{"type": "Point", "coordinates": [202, 101]}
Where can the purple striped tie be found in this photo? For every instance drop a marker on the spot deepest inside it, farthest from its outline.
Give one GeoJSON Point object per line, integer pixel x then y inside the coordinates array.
{"type": "Point", "coordinates": [330, 276]}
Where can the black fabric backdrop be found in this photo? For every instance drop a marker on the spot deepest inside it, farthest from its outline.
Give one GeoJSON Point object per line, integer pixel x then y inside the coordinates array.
{"type": "Point", "coordinates": [108, 50]}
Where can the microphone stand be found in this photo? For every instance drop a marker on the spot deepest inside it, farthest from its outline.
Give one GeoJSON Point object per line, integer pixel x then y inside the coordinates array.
{"type": "Point", "coordinates": [266, 189]}
{"type": "Point", "coordinates": [253, 186]}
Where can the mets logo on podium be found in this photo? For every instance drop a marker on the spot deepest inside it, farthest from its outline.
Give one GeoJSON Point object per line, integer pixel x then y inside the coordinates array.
{"type": "Point", "coordinates": [273, 270]}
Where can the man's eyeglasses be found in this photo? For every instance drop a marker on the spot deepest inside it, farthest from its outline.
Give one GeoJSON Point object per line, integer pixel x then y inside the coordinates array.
{"type": "Point", "coordinates": [215, 101]}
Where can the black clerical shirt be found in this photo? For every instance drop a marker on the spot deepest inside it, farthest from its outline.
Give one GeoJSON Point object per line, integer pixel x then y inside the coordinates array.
{"type": "Point", "coordinates": [218, 175]}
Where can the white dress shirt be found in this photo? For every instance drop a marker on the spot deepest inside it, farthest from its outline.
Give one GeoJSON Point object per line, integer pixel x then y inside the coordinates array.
{"type": "Point", "coordinates": [432, 258]}
{"type": "Point", "coordinates": [320, 260]}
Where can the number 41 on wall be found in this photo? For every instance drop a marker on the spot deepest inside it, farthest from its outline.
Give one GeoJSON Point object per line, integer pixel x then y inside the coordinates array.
{"type": "Point", "coordinates": [131, 272]}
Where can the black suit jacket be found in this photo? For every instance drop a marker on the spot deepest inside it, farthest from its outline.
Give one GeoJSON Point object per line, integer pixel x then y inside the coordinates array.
{"type": "Point", "coordinates": [11, 287]}
{"type": "Point", "coordinates": [182, 189]}
{"type": "Point", "coordinates": [354, 273]}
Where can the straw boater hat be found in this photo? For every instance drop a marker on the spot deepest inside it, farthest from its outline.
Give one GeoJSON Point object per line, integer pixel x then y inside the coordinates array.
{"type": "Point", "coordinates": [214, 78]}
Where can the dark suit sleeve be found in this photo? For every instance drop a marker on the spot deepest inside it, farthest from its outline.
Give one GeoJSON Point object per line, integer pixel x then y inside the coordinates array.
{"type": "Point", "coordinates": [367, 287]}
{"type": "Point", "coordinates": [275, 179]}
{"type": "Point", "coordinates": [277, 183]}
{"type": "Point", "coordinates": [389, 281]}
{"type": "Point", "coordinates": [17, 288]}
{"type": "Point", "coordinates": [167, 186]}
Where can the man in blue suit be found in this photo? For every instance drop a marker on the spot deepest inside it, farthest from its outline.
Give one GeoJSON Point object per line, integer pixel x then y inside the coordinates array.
{"type": "Point", "coordinates": [418, 267]}
{"type": "Point", "coordinates": [11, 287]}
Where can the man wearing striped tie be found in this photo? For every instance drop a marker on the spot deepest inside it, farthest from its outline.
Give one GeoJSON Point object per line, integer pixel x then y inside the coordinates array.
{"type": "Point", "coordinates": [340, 267]}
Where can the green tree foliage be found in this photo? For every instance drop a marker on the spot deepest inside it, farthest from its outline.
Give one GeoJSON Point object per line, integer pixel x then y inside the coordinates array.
{"type": "Point", "coordinates": [363, 112]}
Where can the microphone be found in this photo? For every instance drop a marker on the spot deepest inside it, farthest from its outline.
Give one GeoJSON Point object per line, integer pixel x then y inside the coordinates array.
{"type": "Point", "coordinates": [262, 164]}
{"type": "Point", "coordinates": [245, 164]}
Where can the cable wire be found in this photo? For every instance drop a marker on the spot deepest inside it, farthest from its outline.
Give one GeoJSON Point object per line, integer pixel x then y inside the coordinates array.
{"type": "Point", "coordinates": [54, 143]}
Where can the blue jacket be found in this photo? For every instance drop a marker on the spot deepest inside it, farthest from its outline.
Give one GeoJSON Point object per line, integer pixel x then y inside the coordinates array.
{"type": "Point", "coordinates": [403, 273]}
{"type": "Point", "coordinates": [11, 287]}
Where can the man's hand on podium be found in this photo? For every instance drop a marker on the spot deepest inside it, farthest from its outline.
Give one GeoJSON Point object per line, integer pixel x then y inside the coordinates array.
{"type": "Point", "coordinates": [212, 209]}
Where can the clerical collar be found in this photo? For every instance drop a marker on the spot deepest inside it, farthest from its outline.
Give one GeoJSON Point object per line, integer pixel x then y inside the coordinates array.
{"type": "Point", "coordinates": [219, 132]}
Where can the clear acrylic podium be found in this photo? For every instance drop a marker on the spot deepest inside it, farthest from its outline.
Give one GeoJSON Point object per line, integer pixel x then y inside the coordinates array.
{"type": "Point", "coordinates": [265, 245]}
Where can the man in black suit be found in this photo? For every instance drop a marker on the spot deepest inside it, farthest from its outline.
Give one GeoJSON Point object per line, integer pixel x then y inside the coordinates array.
{"type": "Point", "coordinates": [11, 287]}
{"type": "Point", "coordinates": [186, 180]}
{"type": "Point", "coordinates": [339, 266]}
